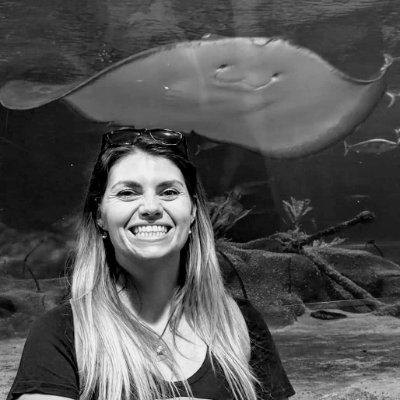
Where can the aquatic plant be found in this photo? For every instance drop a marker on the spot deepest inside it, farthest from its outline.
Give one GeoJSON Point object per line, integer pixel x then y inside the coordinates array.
{"type": "Point", "coordinates": [296, 210]}
{"type": "Point", "coordinates": [290, 239]}
{"type": "Point", "coordinates": [334, 242]}
{"type": "Point", "coordinates": [225, 212]}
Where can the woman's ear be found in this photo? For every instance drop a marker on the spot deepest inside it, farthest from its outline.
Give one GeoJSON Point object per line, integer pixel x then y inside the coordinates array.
{"type": "Point", "coordinates": [193, 213]}
{"type": "Point", "coordinates": [99, 220]}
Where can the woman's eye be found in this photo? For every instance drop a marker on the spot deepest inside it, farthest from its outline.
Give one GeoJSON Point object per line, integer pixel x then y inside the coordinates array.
{"type": "Point", "coordinates": [169, 193]}
{"type": "Point", "coordinates": [127, 193]}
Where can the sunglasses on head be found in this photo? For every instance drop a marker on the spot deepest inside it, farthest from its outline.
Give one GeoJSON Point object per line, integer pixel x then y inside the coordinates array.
{"type": "Point", "coordinates": [127, 135]}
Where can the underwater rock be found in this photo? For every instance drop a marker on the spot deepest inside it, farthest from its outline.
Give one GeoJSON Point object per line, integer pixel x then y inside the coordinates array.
{"type": "Point", "coordinates": [276, 292]}
{"type": "Point", "coordinates": [7, 307]}
{"type": "Point", "coordinates": [41, 253]}
{"type": "Point", "coordinates": [26, 304]}
{"type": "Point", "coordinates": [269, 276]}
{"type": "Point", "coordinates": [377, 275]}
{"type": "Point", "coordinates": [49, 263]}
{"type": "Point", "coordinates": [279, 284]}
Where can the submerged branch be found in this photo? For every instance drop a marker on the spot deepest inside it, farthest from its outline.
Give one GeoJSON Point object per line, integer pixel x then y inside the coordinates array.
{"type": "Point", "coordinates": [294, 243]}
{"type": "Point", "coordinates": [330, 271]}
{"type": "Point", "coordinates": [361, 218]}
{"type": "Point", "coordinates": [28, 267]}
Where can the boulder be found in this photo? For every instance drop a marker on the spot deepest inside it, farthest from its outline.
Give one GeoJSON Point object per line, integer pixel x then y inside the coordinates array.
{"type": "Point", "coordinates": [283, 284]}
{"type": "Point", "coordinates": [40, 254]}
{"type": "Point", "coordinates": [21, 305]}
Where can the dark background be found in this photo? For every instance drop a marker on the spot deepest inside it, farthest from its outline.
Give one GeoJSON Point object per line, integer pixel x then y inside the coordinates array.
{"type": "Point", "coordinates": [46, 154]}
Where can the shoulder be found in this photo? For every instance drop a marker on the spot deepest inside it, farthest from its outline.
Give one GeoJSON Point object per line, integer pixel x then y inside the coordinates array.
{"type": "Point", "coordinates": [48, 364]}
{"type": "Point", "coordinates": [52, 333]}
{"type": "Point", "coordinates": [59, 314]}
{"type": "Point", "coordinates": [56, 322]}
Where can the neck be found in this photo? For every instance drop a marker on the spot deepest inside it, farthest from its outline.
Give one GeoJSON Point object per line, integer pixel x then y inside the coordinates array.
{"type": "Point", "coordinates": [150, 288]}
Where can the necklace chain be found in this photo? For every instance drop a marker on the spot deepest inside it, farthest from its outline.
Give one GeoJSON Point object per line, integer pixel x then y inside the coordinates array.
{"type": "Point", "coordinates": [161, 346]}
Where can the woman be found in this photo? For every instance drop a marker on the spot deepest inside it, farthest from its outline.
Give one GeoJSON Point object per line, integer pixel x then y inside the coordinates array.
{"type": "Point", "coordinates": [149, 316]}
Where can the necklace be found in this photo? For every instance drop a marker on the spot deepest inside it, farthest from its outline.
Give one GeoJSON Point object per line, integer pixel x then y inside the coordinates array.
{"type": "Point", "coordinates": [161, 348]}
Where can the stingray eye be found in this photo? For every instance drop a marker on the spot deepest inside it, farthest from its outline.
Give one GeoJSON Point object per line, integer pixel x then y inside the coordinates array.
{"type": "Point", "coordinates": [222, 66]}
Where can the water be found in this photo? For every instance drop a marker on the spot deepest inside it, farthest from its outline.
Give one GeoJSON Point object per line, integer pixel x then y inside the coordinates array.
{"type": "Point", "coordinates": [44, 169]}
{"type": "Point", "coordinates": [46, 154]}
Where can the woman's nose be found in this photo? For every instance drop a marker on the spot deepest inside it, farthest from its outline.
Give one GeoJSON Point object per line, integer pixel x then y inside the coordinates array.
{"type": "Point", "coordinates": [150, 207]}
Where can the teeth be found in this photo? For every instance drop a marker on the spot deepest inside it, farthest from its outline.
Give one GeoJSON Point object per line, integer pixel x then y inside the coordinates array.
{"type": "Point", "coordinates": [150, 230]}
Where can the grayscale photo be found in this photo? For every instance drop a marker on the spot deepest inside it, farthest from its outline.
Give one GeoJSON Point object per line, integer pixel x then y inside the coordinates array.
{"type": "Point", "coordinates": [200, 200]}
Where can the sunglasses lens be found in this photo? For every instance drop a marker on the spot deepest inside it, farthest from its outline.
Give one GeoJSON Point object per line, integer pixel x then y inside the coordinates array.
{"type": "Point", "coordinates": [166, 136]}
{"type": "Point", "coordinates": [128, 136]}
{"type": "Point", "coordinates": [123, 137]}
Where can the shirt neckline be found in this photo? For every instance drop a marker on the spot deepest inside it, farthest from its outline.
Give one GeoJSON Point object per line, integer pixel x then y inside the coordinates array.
{"type": "Point", "coordinates": [197, 374]}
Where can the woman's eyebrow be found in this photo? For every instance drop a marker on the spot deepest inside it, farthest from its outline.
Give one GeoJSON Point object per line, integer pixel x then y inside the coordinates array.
{"type": "Point", "coordinates": [131, 184]}
{"type": "Point", "coordinates": [173, 182]}
{"type": "Point", "coordinates": [134, 184]}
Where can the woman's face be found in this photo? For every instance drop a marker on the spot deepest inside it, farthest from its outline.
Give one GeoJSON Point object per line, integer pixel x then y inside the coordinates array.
{"type": "Point", "coordinates": [146, 208]}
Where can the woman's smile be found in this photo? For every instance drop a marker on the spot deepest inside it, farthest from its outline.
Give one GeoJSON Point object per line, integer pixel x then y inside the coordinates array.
{"type": "Point", "coordinates": [150, 232]}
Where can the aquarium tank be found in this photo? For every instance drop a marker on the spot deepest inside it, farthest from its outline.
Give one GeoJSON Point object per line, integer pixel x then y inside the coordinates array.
{"type": "Point", "coordinates": [299, 160]}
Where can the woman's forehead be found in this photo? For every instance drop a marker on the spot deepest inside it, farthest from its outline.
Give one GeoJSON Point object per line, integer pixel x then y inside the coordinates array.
{"type": "Point", "coordinates": [143, 167]}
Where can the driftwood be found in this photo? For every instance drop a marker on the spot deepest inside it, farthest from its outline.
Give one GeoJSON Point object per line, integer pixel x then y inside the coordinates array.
{"type": "Point", "coordinates": [296, 242]}
{"type": "Point", "coordinates": [26, 265]}
{"type": "Point", "coordinates": [294, 245]}
{"type": "Point", "coordinates": [330, 271]}
{"type": "Point", "coordinates": [361, 218]}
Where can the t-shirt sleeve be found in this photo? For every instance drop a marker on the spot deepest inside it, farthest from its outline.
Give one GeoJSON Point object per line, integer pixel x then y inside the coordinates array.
{"type": "Point", "coordinates": [264, 358]}
{"type": "Point", "coordinates": [48, 363]}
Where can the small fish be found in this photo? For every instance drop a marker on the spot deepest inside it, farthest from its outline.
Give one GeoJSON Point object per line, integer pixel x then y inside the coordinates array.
{"type": "Point", "coordinates": [249, 188]}
{"type": "Point", "coordinates": [373, 146]}
{"type": "Point", "coordinates": [359, 197]}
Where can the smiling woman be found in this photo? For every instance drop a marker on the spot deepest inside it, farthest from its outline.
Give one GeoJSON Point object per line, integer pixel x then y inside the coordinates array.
{"type": "Point", "coordinates": [147, 211]}
{"type": "Point", "coordinates": [148, 316]}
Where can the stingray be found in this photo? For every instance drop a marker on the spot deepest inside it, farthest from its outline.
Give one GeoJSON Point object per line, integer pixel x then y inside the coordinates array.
{"type": "Point", "coordinates": [267, 95]}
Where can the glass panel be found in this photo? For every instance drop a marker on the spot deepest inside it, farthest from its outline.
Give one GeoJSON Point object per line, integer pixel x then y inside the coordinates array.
{"type": "Point", "coordinates": [330, 297]}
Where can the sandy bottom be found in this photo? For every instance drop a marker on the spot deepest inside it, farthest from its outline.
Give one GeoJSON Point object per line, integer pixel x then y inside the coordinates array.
{"type": "Point", "coordinates": [10, 352]}
{"type": "Point", "coordinates": [357, 358]}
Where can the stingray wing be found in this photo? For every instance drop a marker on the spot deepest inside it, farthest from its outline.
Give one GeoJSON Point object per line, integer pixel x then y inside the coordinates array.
{"type": "Point", "coordinates": [266, 95]}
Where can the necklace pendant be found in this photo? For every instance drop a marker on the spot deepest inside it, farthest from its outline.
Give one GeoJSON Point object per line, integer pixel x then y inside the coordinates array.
{"type": "Point", "coordinates": [160, 350]}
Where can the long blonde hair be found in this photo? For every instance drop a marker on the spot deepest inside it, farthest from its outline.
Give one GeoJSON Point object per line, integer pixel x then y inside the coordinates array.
{"type": "Point", "coordinates": [115, 351]}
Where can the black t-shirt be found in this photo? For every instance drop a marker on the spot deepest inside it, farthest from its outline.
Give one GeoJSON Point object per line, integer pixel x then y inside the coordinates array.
{"type": "Point", "coordinates": [48, 364]}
